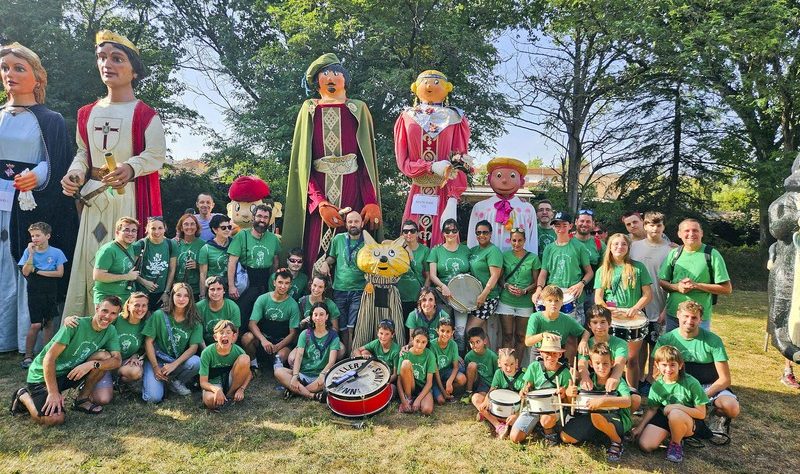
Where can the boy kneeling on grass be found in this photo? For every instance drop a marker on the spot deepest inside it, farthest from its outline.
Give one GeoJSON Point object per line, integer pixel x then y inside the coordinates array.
{"type": "Point", "coordinates": [224, 368]}
{"type": "Point", "coordinates": [599, 425]}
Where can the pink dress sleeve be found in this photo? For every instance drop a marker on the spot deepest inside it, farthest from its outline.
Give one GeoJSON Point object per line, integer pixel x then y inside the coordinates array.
{"type": "Point", "coordinates": [458, 185]}
{"type": "Point", "coordinates": [316, 192]}
{"type": "Point", "coordinates": [411, 167]}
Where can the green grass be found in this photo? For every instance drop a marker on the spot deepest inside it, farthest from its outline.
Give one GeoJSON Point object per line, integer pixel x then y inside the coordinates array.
{"type": "Point", "coordinates": [266, 433]}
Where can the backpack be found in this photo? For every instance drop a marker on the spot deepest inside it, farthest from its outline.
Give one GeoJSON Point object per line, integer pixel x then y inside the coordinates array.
{"type": "Point", "coordinates": [707, 252]}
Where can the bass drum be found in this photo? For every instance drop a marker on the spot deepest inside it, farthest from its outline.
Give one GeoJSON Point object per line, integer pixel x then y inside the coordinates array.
{"type": "Point", "coordinates": [365, 394]}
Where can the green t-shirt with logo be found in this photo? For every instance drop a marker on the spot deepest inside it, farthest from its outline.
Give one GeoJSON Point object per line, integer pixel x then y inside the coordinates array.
{"type": "Point", "coordinates": [422, 364]}
{"type": "Point", "coordinates": [618, 346]}
{"type": "Point", "coordinates": [252, 252]}
{"type": "Point", "coordinates": [705, 348]}
{"type": "Point", "coordinates": [692, 264]}
{"type": "Point", "coordinates": [183, 334]}
{"type": "Point", "coordinates": [211, 359]}
{"type": "Point", "coordinates": [81, 342]}
{"type": "Point", "coordinates": [480, 260]}
{"type": "Point", "coordinates": [346, 275]}
{"type": "Point", "coordinates": [565, 263]}
{"type": "Point", "coordinates": [130, 337]}
{"type": "Point", "coordinates": [538, 377]}
{"type": "Point", "coordinates": [449, 264]}
{"type": "Point", "coordinates": [305, 307]}
{"type": "Point", "coordinates": [315, 360]}
{"type": "Point", "coordinates": [521, 278]}
{"type": "Point", "coordinates": [113, 259]}
{"type": "Point", "coordinates": [595, 255]}
{"type": "Point", "coordinates": [624, 414]}
{"type": "Point", "coordinates": [563, 325]}
{"type": "Point", "coordinates": [216, 259]}
{"type": "Point", "coordinates": [487, 363]}
{"type": "Point", "coordinates": [501, 380]}
{"type": "Point", "coordinates": [229, 311]}
{"type": "Point", "coordinates": [388, 357]}
{"type": "Point", "coordinates": [546, 237]}
{"type": "Point", "coordinates": [299, 285]}
{"type": "Point", "coordinates": [278, 311]}
{"type": "Point", "coordinates": [686, 391]}
{"type": "Point", "coordinates": [625, 296]}
{"type": "Point", "coordinates": [444, 357]}
{"type": "Point", "coordinates": [189, 251]}
{"type": "Point", "coordinates": [155, 262]}
{"type": "Point", "coordinates": [416, 319]}
{"type": "Point", "coordinates": [412, 280]}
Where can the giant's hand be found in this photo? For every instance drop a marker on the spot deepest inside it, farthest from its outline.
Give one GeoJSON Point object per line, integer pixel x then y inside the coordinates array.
{"type": "Point", "coordinates": [71, 182]}
{"type": "Point", "coordinates": [371, 214]}
{"type": "Point", "coordinates": [25, 182]}
{"type": "Point", "coordinates": [450, 209]}
{"type": "Point", "coordinates": [330, 215]}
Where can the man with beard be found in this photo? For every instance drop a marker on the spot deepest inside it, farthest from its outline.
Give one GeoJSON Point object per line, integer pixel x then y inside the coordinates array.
{"type": "Point", "coordinates": [204, 205]}
{"type": "Point", "coordinates": [544, 216]}
{"type": "Point", "coordinates": [597, 248]}
{"type": "Point", "coordinates": [348, 279]}
{"type": "Point", "coordinates": [257, 249]}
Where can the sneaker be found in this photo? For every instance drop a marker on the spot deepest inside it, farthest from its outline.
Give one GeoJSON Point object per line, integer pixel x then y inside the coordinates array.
{"type": "Point", "coordinates": [789, 380]}
{"type": "Point", "coordinates": [675, 452]}
{"type": "Point", "coordinates": [501, 430]}
{"type": "Point", "coordinates": [279, 388]}
{"type": "Point", "coordinates": [467, 398]}
{"type": "Point", "coordinates": [614, 452]}
{"type": "Point", "coordinates": [176, 386]}
{"type": "Point", "coordinates": [638, 412]}
{"type": "Point", "coordinates": [644, 388]}
{"type": "Point", "coordinates": [26, 362]}
{"type": "Point", "coordinates": [551, 440]}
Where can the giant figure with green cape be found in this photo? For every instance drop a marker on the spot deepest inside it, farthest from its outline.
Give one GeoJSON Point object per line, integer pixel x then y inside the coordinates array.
{"type": "Point", "coordinates": [333, 164]}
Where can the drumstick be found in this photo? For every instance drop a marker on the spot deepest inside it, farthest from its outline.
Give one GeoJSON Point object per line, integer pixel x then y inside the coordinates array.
{"type": "Point", "coordinates": [573, 373]}
{"type": "Point", "coordinates": [560, 407]}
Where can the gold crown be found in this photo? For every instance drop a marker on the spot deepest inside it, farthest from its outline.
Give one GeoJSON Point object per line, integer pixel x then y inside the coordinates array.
{"type": "Point", "coordinates": [108, 36]}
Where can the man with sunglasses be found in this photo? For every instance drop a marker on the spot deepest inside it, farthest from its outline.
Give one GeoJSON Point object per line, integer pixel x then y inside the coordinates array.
{"type": "Point", "coordinates": [584, 225]}
{"type": "Point", "coordinates": [294, 263]}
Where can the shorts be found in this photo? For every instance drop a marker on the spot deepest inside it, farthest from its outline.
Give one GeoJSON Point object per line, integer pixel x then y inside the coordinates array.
{"type": "Point", "coordinates": [486, 309]}
{"type": "Point", "coordinates": [38, 391]}
{"type": "Point", "coordinates": [227, 380]}
{"type": "Point", "coordinates": [349, 303]}
{"type": "Point", "coordinates": [582, 429]}
{"type": "Point", "coordinates": [42, 307]}
{"type": "Point", "coordinates": [700, 429]}
{"type": "Point", "coordinates": [444, 374]}
{"type": "Point", "coordinates": [306, 379]}
{"type": "Point", "coordinates": [507, 310]}
{"type": "Point", "coordinates": [722, 393]}
{"type": "Point", "coordinates": [526, 422]}
{"type": "Point", "coordinates": [112, 376]}
{"type": "Point", "coordinates": [480, 386]}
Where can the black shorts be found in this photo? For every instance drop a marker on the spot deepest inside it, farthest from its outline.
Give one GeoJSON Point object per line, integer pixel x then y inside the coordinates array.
{"type": "Point", "coordinates": [582, 429]}
{"type": "Point", "coordinates": [43, 306]}
{"type": "Point", "coordinates": [224, 373]}
{"type": "Point", "coordinates": [38, 391]}
{"type": "Point", "coordinates": [486, 309]}
{"type": "Point", "coordinates": [700, 429]}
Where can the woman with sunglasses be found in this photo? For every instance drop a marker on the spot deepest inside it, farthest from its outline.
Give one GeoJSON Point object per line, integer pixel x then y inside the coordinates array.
{"type": "Point", "coordinates": [187, 232]}
{"type": "Point", "coordinates": [445, 261]}
{"type": "Point", "coordinates": [486, 264]}
{"type": "Point", "coordinates": [213, 258]}
{"type": "Point", "coordinates": [159, 257]}
{"type": "Point", "coordinates": [520, 271]}
{"type": "Point", "coordinates": [417, 275]}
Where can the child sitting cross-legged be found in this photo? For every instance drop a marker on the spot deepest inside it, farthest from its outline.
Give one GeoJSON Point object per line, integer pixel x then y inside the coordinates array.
{"type": "Point", "coordinates": [415, 380]}
{"type": "Point", "coordinates": [224, 368]}
{"type": "Point", "coordinates": [449, 376]}
{"type": "Point", "coordinates": [508, 376]}
{"type": "Point", "coordinates": [384, 348]}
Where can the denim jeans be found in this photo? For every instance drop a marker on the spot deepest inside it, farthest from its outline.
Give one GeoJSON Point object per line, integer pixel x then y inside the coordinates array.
{"type": "Point", "coordinates": [153, 389]}
{"type": "Point", "coordinates": [348, 302]}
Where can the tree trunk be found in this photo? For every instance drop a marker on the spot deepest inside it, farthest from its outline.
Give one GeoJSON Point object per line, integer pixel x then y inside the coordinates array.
{"type": "Point", "coordinates": [677, 130]}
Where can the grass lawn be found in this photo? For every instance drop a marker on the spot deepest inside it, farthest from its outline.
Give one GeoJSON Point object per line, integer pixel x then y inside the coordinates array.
{"type": "Point", "coordinates": [266, 433]}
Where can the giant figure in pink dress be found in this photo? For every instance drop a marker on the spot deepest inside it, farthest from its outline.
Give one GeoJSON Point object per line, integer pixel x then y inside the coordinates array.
{"type": "Point", "coordinates": [426, 136]}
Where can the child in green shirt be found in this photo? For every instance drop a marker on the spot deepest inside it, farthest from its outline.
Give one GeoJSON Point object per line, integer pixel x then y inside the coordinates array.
{"type": "Point", "coordinates": [553, 321]}
{"type": "Point", "coordinates": [507, 377]}
{"type": "Point", "coordinates": [384, 347]}
{"type": "Point", "coordinates": [449, 369]}
{"type": "Point", "coordinates": [415, 378]}
{"type": "Point", "coordinates": [481, 363]}
{"type": "Point", "coordinates": [224, 368]}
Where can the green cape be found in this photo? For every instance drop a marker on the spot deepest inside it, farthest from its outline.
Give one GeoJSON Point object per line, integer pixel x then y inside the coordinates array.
{"type": "Point", "coordinates": [294, 217]}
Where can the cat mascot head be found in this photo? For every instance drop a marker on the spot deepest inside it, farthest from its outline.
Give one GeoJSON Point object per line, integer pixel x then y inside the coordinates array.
{"type": "Point", "coordinates": [389, 259]}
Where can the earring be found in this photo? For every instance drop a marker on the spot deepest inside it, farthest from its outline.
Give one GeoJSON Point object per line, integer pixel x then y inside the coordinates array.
{"type": "Point", "coordinates": [416, 101]}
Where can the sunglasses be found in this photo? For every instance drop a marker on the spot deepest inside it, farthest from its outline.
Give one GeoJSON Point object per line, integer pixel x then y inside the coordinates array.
{"type": "Point", "coordinates": [587, 212]}
{"type": "Point", "coordinates": [295, 260]}
{"type": "Point", "coordinates": [596, 232]}
{"type": "Point", "coordinates": [450, 231]}
{"type": "Point", "coordinates": [226, 227]}
{"type": "Point", "coordinates": [409, 231]}
{"type": "Point", "coordinates": [483, 232]}
{"type": "Point", "coordinates": [518, 230]}
{"type": "Point", "coordinates": [155, 218]}
{"type": "Point", "coordinates": [386, 322]}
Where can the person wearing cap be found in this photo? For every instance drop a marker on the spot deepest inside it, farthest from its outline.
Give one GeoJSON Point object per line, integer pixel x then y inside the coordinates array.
{"type": "Point", "coordinates": [584, 224]}
{"type": "Point", "coordinates": [565, 263]}
{"type": "Point", "coordinates": [426, 135]}
{"type": "Point", "coordinates": [504, 210]}
{"type": "Point", "coordinates": [128, 130]}
{"type": "Point", "coordinates": [333, 163]}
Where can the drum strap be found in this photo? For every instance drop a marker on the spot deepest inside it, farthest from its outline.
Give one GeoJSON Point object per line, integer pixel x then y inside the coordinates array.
{"type": "Point", "coordinates": [510, 381]}
{"type": "Point", "coordinates": [323, 347]}
{"type": "Point", "coordinates": [551, 379]}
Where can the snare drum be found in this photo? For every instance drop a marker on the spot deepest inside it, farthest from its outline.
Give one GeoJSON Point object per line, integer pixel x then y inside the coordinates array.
{"type": "Point", "coordinates": [582, 401]}
{"type": "Point", "coordinates": [464, 290]}
{"type": "Point", "coordinates": [629, 329]}
{"type": "Point", "coordinates": [567, 307]}
{"type": "Point", "coordinates": [367, 394]}
{"type": "Point", "coordinates": [503, 403]}
{"type": "Point", "coordinates": [542, 401]}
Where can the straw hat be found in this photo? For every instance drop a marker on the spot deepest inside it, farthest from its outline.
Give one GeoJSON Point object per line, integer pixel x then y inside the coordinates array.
{"type": "Point", "coordinates": [551, 343]}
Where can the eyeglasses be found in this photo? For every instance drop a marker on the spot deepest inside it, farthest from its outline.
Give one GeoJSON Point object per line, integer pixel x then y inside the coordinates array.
{"type": "Point", "coordinates": [483, 232]}
{"type": "Point", "coordinates": [226, 227]}
{"type": "Point", "coordinates": [409, 231]}
{"type": "Point", "coordinates": [450, 231]}
{"type": "Point", "coordinates": [596, 232]}
{"type": "Point", "coordinates": [295, 260]}
{"type": "Point", "coordinates": [386, 322]}
{"type": "Point", "coordinates": [587, 212]}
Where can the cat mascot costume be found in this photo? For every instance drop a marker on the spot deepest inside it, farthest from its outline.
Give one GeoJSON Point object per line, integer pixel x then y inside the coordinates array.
{"type": "Point", "coordinates": [383, 264]}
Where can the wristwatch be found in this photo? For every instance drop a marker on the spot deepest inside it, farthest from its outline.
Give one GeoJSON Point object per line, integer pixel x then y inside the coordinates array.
{"type": "Point", "coordinates": [96, 364]}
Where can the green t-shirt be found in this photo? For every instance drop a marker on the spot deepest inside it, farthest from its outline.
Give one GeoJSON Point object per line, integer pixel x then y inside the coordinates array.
{"type": "Point", "coordinates": [706, 348]}
{"type": "Point", "coordinates": [389, 357]}
{"type": "Point", "coordinates": [412, 280]}
{"type": "Point", "coordinates": [693, 265]}
{"type": "Point", "coordinates": [229, 311]}
{"type": "Point", "coordinates": [416, 319]}
{"type": "Point", "coordinates": [449, 264]}
{"type": "Point", "coordinates": [111, 258]}
{"type": "Point", "coordinates": [347, 276]}
{"type": "Point", "coordinates": [618, 293]}
{"type": "Point", "coordinates": [563, 325]}
{"type": "Point", "coordinates": [624, 414]}
{"type": "Point", "coordinates": [595, 255]}
{"type": "Point", "coordinates": [305, 307]}
{"type": "Point", "coordinates": [480, 259]}
{"type": "Point", "coordinates": [565, 263]}
{"type": "Point", "coordinates": [515, 383]}
{"type": "Point", "coordinates": [487, 364]}
{"type": "Point", "coordinates": [444, 357]}
{"type": "Point", "coordinates": [316, 355]}
{"type": "Point", "coordinates": [211, 359]}
{"type": "Point", "coordinates": [187, 251]}
{"type": "Point", "coordinates": [546, 237]}
{"type": "Point", "coordinates": [422, 364]}
{"type": "Point", "coordinates": [155, 261]}
{"type": "Point", "coordinates": [130, 337]}
{"type": "Point", "coordinates": [686, 391]}
{"type": "Point", "coordinates": [521, 278]}
{"type": "Point", "coordinates": [299, 285]}
{"type": "Point", "coordinates": [216, 259]}
{"type": "Point", "coordinates": [268, 309]}
{"type": "Point", "coordinates": [183, 334]}
{"type": "Point", "coordinates": [538, 377]}
{"type": "Point", "coordinates": [81, 342]}
{"type": "Point", "coordinates": [618, 346]}
{"type": "Point", "coordinates": [252, 252]}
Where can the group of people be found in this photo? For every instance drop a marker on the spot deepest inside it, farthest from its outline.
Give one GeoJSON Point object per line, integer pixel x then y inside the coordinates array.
{"type": "Point", "coordinates": [559, 306]}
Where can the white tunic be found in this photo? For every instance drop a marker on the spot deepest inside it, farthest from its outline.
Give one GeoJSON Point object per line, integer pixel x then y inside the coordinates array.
{"type": "Point", "coordinates": [523, 215]}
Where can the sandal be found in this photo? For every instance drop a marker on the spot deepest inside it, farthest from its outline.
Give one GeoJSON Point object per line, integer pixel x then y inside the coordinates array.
{"type": "Point", "coordinates": [16, 405]}
{"type": "Point", "coordinates": [320, 397]}
{"type": "Point", "coordinates": [287, 394]}
{"type": "Point", "coordinates": [91, 410]}
{"type": "Point", "coordinates": [614, 452]}
{"type": "Point", "coordinates": [26, 362]}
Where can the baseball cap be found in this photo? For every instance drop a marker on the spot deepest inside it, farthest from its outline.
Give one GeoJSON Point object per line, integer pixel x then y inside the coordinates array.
{"type": "Point", "coordinates": [561, 216]}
